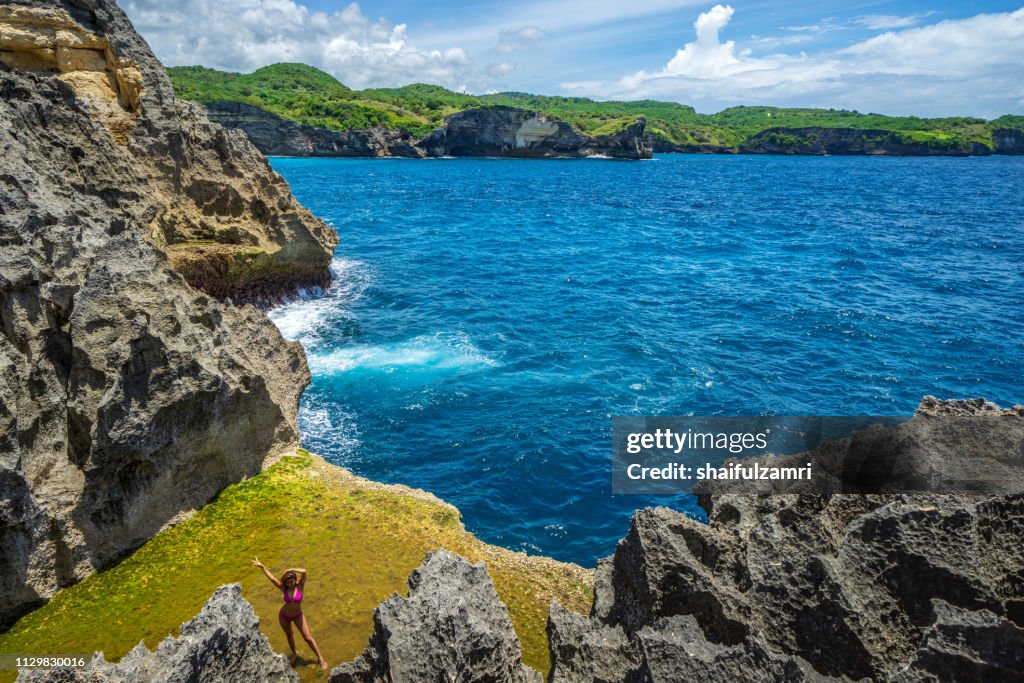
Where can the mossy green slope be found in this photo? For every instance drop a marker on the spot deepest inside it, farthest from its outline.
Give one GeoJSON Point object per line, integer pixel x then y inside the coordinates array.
{"type": "Point", "coordinates": [359, 540]}
{"type": "Point", "coordinates": [307, 95]}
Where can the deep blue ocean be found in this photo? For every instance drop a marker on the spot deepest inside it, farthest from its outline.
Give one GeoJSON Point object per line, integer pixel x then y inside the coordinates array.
{"type": "Point", "coordinates": [490, 316]}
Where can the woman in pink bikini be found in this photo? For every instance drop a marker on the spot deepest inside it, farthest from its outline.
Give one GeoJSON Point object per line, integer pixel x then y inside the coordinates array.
{"type": "Point", "coordinates": [292, 583]}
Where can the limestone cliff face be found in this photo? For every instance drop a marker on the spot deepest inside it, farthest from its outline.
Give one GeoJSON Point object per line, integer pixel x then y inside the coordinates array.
{"type": "Point", "coordinates": [1008, 141]}
{"type": "Point", "coordinates": [127, 398]}
{"type": "Point", "coordinates": [849, 141]}
{"type": "Point", "coordinates": [513, 132]}
{"type": "Point", "coordinates": [277, 136]}
{"type": "Point", "coordinates": [490, 131]}
{"type": "Point", "coordinates": [203, 194]}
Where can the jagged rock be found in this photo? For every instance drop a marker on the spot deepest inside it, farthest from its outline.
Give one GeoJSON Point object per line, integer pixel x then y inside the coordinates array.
{"type": "Point", "coordinates": [277, 136]}
{"type": "Point", "coordinates": [81, 84]}
{"type": "Point", "coordinates": [452, 627]}
{"type": "Point", "coordinates": [584, 649]}
{"type": "Point", "coordinates": [967, 645]}
{"type": "Point", "coordinates": [127, 398]}
{"type": "Point", "coordinates": [221, 644]}
{"type": "Point", "coordinates": [514, 132]}
{"type": "Point", "coordinates": [847, 141]}
{"type": "Point", "coordinates": [897, 587]}
{"type": "Point", "coordinates": [958, 446]}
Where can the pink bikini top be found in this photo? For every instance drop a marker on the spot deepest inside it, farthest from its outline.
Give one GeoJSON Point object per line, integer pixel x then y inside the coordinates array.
{"type": "Point", "coordinates": [296, 596]}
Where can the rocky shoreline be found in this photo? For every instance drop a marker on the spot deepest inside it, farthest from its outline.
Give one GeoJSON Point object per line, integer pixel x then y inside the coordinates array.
{"type": "Point", "coordinates": [773, 588]}
{"type": "Point", "coordinates": [491, 131]}
{"type": "Point", "coordinates": [134, 389]}
{"type": "Point", "coordinates": [512, 132]}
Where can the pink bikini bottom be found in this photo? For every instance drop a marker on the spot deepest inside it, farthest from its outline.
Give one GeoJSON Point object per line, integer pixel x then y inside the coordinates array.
{"type": "Point", "coordinates": [294, 617]}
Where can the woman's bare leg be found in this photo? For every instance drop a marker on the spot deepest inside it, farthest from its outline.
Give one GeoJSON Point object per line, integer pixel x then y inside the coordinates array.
{"type": "Point", "coordinates": [308, 637]}
{"type": "Point", "coordinates": [286, 626]}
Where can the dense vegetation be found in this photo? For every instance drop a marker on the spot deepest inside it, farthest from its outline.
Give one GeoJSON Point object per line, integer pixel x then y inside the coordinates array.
{"type": "Point", "coordinates": [307, 95]}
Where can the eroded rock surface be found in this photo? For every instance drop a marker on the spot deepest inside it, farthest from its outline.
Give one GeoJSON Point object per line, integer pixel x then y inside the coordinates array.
{"type": "Point", "coordinates": [127, 398]}
{"type": "Point", "coordinates": [452, 627]}
{"type": "Point", "coordinates": [202, 193]}
{"type": "Point", "coordinates": [514, 132]}
{"type": "Point", "coordinates": [896, 587]}
{"type": "Point", "coordinates": [221, 644]}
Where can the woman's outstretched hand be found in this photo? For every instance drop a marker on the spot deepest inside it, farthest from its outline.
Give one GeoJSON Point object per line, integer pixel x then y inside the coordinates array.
{"type": "Point", "coordinates": [256, 562]}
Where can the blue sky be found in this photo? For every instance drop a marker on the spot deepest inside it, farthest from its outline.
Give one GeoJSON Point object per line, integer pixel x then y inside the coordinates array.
{"type": "Point", "coordinates": [898, 57]}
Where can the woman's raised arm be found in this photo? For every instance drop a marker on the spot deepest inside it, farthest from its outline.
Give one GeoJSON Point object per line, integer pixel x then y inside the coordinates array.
{"type": "Point", "coordinates": [273, 579]}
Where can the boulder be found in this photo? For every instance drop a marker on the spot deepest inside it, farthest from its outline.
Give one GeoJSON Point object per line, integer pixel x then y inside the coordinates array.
{"type": "Point", "coordinates": [452, 627]}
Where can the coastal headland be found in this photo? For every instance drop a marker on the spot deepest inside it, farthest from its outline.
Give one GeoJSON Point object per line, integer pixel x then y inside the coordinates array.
{"type": "Point", "coordinates": [149, 447]}
{"type": "Point", "coordinates": [298, 110]}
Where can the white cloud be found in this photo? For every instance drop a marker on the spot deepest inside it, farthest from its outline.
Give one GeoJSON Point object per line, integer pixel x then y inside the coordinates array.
{"type": "Point", "coordinates": [884, 22]}
{"type": "Point", "coordinates": [242, 35]}
{"type": "Point", "coordinates": [524, 38]}
{"type": "Point", "coordinates": [500, 69]}
{"type": "Point", "coordinates": [968, 66]}
{"type": "Point", "coordinates": [823, 26]}
{"type": "Point", "coordinates": [706, 56]}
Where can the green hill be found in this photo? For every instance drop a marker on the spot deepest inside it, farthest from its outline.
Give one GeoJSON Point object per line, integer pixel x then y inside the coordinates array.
{"type": "Point", "coordinates": [307, 95]}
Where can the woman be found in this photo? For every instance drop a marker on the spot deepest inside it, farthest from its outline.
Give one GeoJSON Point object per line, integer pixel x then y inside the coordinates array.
{"type": "Point", "coordinates": [292, 585]}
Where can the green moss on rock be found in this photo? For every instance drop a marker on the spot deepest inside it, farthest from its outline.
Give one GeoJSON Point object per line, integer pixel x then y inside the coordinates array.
{"type": "Point", "coordinates": [358, 539]}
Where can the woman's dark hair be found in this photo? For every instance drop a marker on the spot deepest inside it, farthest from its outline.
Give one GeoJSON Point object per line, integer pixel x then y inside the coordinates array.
{"type": "Point", "coordinates": [289, 575]}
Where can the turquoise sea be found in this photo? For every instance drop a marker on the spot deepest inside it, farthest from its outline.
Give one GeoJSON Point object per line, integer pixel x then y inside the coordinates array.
{"type": "Point", "coordinates": [490, 316]}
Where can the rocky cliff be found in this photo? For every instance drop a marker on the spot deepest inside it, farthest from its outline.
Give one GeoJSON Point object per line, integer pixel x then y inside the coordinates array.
{"type": "Point", "coordinates": [513, 132]}
{"type": "Point", "coordinates": [852, 141]}
{"type": "Point", "coordinates": [1008, 140]}
{"type": "Point", "coordinates": [127, 398]}
{"type": "Point", "coordinates": [490, 131]}
{"type": "Point", "coordinates": [799, 587]}
{"type": "Point", "coordinates": [277, 136]}
{"type": "Point", "coordinates": [221, 644]}
{"type": "Point", "coordinates": [201, 193]}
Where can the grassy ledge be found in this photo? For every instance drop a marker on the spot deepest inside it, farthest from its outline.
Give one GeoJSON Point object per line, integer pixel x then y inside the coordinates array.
{"type": "Point", "coordinates": [358, 539]}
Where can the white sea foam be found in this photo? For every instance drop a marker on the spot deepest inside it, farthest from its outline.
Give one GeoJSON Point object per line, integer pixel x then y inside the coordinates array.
{"type": "Point", "coordinates": [330, 425]}
{"type": "Point", "coordinates": [305, 318]}
{"type": "Point", "coordinates": [423, 353]}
